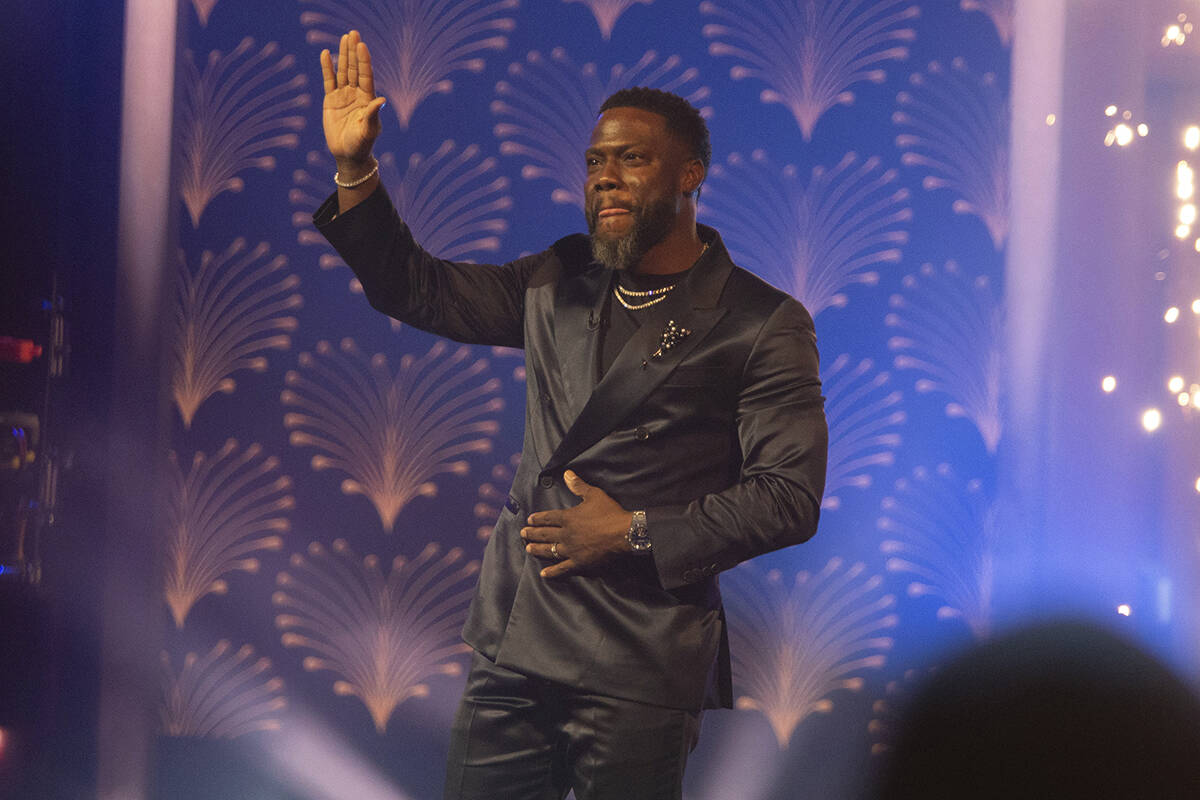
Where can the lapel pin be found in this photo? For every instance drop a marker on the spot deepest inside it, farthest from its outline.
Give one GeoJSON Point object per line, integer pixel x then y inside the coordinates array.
{"type": "Point", "coordinates": [671, 336]}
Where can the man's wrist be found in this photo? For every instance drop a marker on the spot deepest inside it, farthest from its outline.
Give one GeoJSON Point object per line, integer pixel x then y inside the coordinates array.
{"type": "Point", "coordinates": [352, 169]}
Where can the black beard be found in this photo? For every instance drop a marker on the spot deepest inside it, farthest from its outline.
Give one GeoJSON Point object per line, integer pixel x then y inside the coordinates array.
{"type": "Point", "coordinates": [650, 224]}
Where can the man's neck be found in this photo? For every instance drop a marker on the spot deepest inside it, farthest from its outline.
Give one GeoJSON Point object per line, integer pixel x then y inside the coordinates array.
{"type": "Point", "coordinates": [675, 252]}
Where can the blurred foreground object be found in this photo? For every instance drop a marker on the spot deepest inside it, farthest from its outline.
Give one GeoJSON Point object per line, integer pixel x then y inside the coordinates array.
{"type": "Point", "coordinates": [1060, 710]}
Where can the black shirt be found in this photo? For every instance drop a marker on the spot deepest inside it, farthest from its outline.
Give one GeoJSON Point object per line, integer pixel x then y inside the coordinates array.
{"type": "Point", "coordinates": [617, 323]}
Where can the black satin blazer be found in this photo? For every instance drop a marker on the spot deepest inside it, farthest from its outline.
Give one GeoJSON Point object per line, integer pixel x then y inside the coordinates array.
{"type": "Point", "coordinates": [722, 440]}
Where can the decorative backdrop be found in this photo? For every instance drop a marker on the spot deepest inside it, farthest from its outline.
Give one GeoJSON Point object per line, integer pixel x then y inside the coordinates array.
{"type": "Point", "coordinates": [335, 474]}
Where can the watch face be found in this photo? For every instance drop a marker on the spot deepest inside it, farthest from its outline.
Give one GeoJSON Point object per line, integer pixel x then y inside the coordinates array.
{"type": "Point", "coordinates": [638, 538]}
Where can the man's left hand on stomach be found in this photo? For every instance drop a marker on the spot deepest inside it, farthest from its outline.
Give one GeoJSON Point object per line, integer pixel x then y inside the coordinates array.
{"type": "Point", "coordinates": [579, 538]}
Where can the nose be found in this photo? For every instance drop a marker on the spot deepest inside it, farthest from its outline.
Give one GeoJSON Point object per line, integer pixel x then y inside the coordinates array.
{"type": "Point", "coordinates": [607, 178]}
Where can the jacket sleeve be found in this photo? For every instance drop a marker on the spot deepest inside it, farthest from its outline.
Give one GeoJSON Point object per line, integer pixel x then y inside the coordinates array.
{"type": "Point", "coordinates": [471, 303]}
{"type": "Point", "coordinates": [784, 441]}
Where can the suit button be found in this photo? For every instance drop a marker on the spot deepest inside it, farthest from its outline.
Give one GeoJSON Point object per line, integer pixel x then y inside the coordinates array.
{"type": "Point", "coordinates": [641, 434]}
{"type": "Point", "coordinates": [713, 569]}
{"type": "Point", "coordinates": [547, 481]}
{"type": "Point", "coordinates": [691, 575]}
{"type": "Point", "coordinates": [545, 398]}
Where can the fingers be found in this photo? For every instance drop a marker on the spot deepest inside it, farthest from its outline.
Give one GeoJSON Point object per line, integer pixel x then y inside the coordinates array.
{"type": "Point", "coordinates": [563, 564]}
{"type": "Point", "coordinates": [544, 534]}
{"type": "Point", "coordinates": [576, 484]}
{"type": "Point", "coordinates": [352, 59]}
{"type": "Point", "coordinates": [327, 74]}
{"type": "Point", "coordinates": [343, 60]}
{"type": "Point", "coordinates": [554, 518]}
{"type": "Point", "coordinates": [565, 567]}
{"type": "Point", "coordinates": [353, 65]}
{"type": "Point", "coordinates": [366, 77]}
{"type": "Point", "coordinates": [548, 552]}
{"type": "Point", "coordinates": [372, 112]}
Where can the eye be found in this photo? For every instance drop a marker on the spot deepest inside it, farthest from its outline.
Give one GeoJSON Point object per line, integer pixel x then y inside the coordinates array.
{"type": "Point", "coordinates": [633, 157]}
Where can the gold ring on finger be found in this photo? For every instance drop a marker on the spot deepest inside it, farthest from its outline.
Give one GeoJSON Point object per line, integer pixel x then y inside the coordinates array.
{"type": "Point", "coordinates": [554, 550]}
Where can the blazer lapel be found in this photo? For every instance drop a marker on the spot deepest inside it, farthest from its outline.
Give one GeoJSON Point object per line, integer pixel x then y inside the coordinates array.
{"type": "Point", "coordinates": [579, 300]}
{"type": "Point", "coordinates": [637, 370]}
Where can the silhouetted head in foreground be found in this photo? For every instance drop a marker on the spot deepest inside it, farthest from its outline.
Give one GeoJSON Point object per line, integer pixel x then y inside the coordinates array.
{"type": "Point", "coordinates": [1061, 710]}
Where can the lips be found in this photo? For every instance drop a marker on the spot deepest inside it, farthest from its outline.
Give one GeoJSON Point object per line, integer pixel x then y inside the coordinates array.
{"type": "Point", "coordinates": [611, 212]}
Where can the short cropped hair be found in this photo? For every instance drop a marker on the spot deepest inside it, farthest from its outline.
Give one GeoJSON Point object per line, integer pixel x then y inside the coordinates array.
{"type": "Point", "coordinates": [683, 120]}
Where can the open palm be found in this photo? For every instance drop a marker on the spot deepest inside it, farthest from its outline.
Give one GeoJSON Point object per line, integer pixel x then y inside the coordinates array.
{"type": "Point", "coordinates": [350, 113]}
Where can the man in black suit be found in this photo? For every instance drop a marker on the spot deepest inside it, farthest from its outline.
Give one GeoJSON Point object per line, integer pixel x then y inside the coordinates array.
{"type": "Point", "coordinates": [674, 428]}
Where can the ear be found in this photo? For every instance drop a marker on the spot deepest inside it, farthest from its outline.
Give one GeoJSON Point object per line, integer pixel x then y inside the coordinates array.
{"type": "Point", "coordinates": [692, 176]}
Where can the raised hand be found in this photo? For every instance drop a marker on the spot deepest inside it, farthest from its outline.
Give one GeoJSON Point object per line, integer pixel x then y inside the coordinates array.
{"type": "Point", "coordinates": [579, 538]}
{"type": "Point", "coordinates": [351, 110]}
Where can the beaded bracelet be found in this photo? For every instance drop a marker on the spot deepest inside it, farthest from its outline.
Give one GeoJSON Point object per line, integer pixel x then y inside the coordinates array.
{"type": "Point", "coordinates": [360, 181]}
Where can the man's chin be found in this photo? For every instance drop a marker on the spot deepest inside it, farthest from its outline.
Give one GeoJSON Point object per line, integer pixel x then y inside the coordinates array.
{"type": "Point", "coordinates": [614, 252]}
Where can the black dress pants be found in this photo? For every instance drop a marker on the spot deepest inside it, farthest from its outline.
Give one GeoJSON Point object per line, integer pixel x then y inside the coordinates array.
{"type": "Point", "coordinates": [522, 738]}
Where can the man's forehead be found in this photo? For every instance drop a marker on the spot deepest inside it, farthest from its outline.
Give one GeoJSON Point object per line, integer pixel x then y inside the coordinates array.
{"type": "Point", "coordinates": [626, 122]}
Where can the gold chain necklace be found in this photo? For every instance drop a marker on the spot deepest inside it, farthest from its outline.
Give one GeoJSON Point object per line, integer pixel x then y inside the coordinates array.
{"type": "Point", "coordinates": [648, 293]}
{"type": "Point", "coordinates": [662, 295]}
{"type": "Point", "coordinates": [656, 295]}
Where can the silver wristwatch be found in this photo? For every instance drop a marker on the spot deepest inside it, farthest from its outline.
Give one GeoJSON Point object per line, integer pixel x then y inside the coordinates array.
{"type": "Point", "coordinates": [638, 537]}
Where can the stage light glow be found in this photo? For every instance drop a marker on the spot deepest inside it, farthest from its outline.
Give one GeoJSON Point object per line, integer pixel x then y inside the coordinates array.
{"type": "Point", "coordinates": [1185, 190]}
{"type": "Point", "coordinates": [1198, 485]}
{"type": "Point", "coordinates": [1151, 419]}
{"type": "Point", "coordinates": [316, 762]}
{"type": "Point", "coordinates": [1108, 384]}
{"type": "Point", "coordinates": [1124, 133]}
{"type": "Point", "coordinates": [1176, 34]}
{"type": "Point", "coordinates": [1185, 183]}
{"type": "Point", "coordinates": [1124, 610]}
{"type": "Point", "coordinates": [1163, 599]}
{"type": "Point", "coordinates": [1185, 193]}
{"type": "Point", "coordinates": [1051, 119]}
